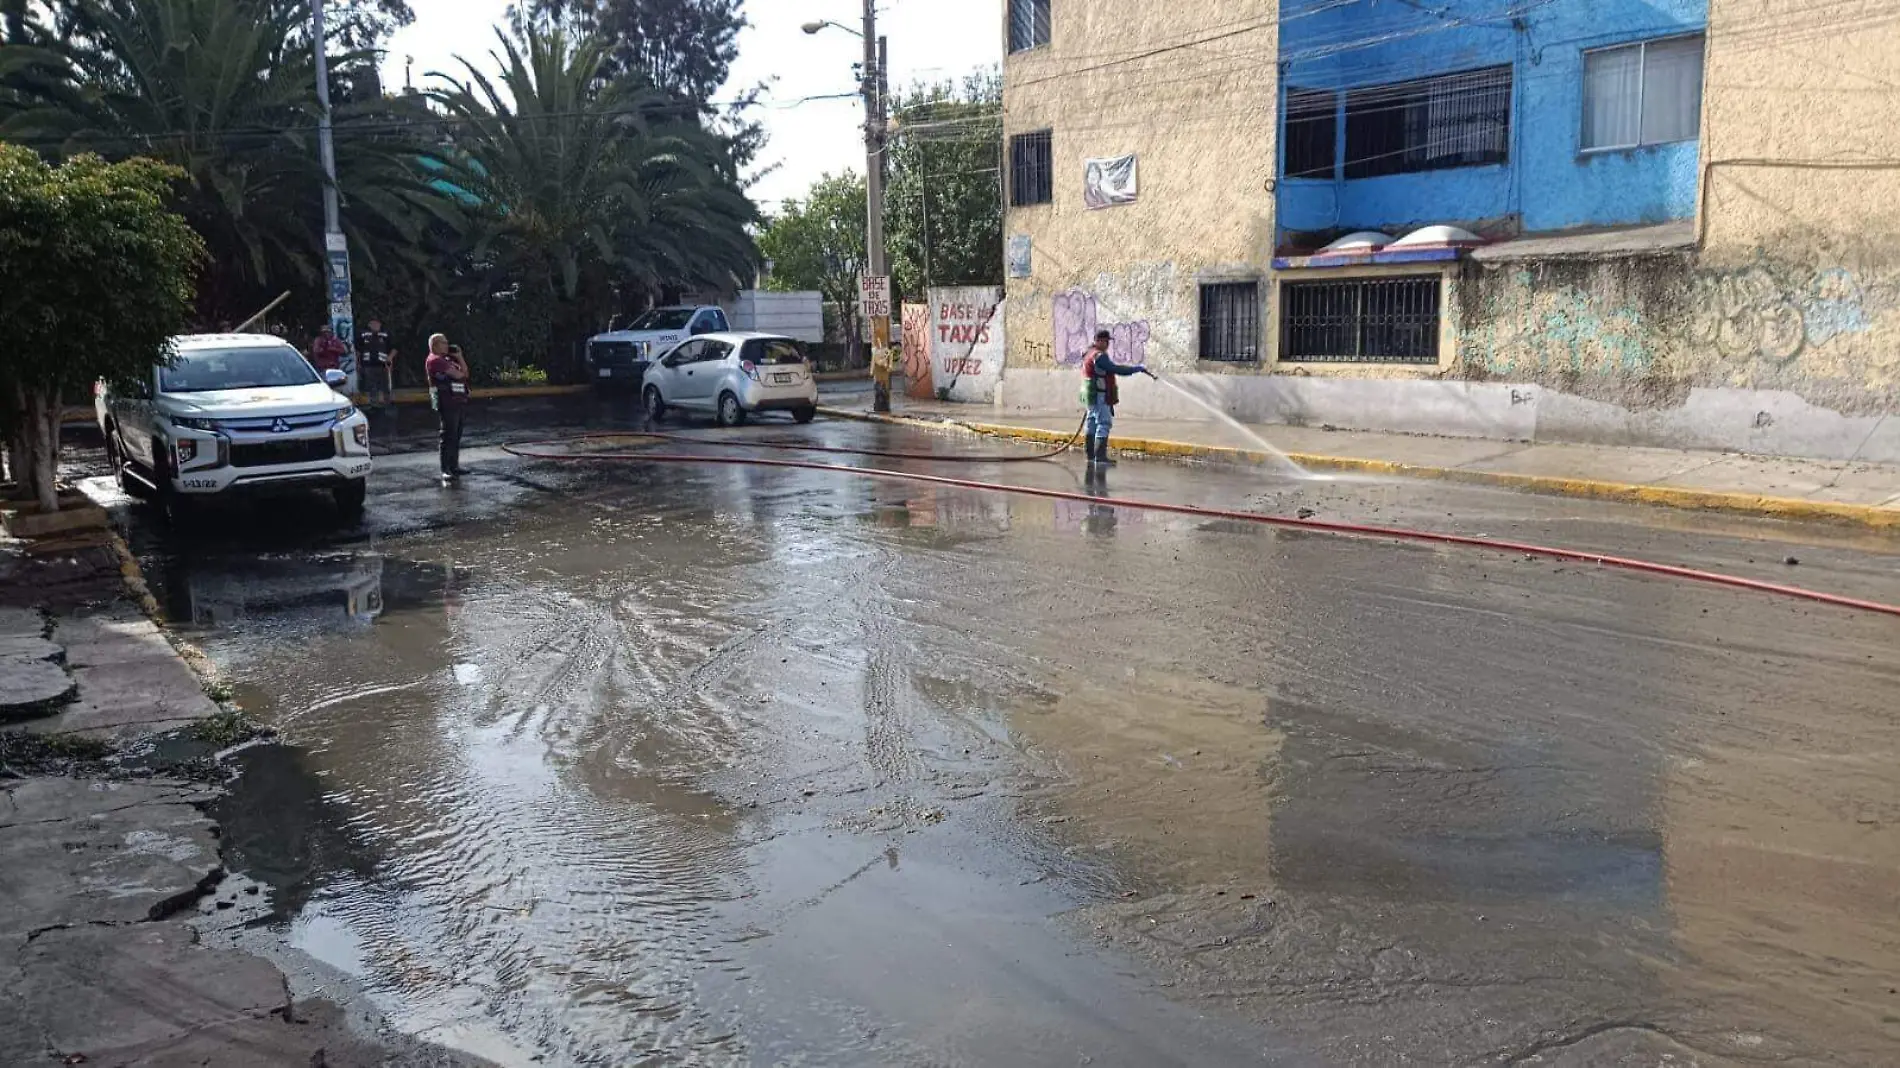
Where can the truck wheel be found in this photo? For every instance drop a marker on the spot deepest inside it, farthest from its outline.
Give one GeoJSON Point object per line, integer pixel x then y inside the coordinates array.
{"type": "Point", "coordinates": [731, 413]}
{"type": "Point", "coordinates": [176, 507]}
{"type": "Point", "coordinates": [351, 496]}
{"type": "Point", "coordinates": [115, 455]}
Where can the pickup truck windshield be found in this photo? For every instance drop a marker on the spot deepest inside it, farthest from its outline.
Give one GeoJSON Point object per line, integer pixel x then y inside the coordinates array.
{"type": "Point", "coordinates": [204, 371]}
{"type": "Point", "coordinates": [664, 319]}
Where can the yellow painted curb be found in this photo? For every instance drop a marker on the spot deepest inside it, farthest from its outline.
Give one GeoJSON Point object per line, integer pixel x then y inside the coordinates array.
{"type": "Point", "coordinates": [1794, 508]}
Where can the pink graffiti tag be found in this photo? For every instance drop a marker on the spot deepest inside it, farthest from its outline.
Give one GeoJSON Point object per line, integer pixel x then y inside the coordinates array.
{"type": "Point", "coordinates": [1076, 318]}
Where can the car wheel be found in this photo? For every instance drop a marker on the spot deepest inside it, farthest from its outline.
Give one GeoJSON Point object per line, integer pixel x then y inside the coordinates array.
{"type": "Point", "coordinates": [731, 413]}
{"type": "Point", "coordinates": [656, 404]}
{"type": "Point", "coordinates": [804, 415]}
{"type": "Point", "coordinates": [351, 496]}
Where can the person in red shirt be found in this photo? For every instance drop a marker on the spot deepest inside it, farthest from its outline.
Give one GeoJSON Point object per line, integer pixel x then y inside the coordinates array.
{"type": "Point", "coordinates": [326, 352]}
{"type": "Point", "coordinates": [447, 372]}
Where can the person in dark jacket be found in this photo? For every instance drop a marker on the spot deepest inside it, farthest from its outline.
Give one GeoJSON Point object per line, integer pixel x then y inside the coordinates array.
{"type": "Point", "coordinates": [447, 372]}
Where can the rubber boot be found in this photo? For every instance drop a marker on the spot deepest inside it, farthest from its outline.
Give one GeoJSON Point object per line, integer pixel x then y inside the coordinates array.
{"type": "Point", "coordinates": [1101, 453]}
{"type": "Point", "coordinates": [1088, 449]}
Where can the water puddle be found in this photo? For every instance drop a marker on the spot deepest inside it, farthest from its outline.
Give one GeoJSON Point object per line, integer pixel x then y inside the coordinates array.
{"type": "Point", "coordinates": [736, 766]}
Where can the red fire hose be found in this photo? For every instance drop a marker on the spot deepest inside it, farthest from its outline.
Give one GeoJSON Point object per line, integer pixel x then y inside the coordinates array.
{"type": "Point", "coordinates": [545, 450]}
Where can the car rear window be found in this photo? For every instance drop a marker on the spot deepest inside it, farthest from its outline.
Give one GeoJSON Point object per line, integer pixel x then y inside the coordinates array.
{"type": "Point", "coordinates": [774, 351]}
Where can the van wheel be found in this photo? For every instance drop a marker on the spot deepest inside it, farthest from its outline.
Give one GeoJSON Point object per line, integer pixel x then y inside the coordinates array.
{"type": "Point", "coordinates": [655, 404]}
{"type": "Point", "coordinates": [730, 412]}
{"type": "Point", "coordinates": [351, 496]}
{"type": "Point", "coordinates": [804, 415]}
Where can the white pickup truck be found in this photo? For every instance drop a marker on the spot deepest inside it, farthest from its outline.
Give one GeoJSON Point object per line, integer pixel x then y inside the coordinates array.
{"type": "Point", "coordinates": [230, 414]}
{"type": "Point", "coordinates": [622, 356]}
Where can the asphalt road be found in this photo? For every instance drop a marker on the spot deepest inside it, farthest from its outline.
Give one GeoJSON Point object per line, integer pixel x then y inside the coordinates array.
{"type": "Point", "coordinates": [615, 764]}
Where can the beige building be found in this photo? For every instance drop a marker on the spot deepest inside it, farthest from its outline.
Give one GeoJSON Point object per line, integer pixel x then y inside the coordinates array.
{"type": "Point", "coordinates": [1686, 230]}
{"type": "Point", "coordinates": [1140, 151]}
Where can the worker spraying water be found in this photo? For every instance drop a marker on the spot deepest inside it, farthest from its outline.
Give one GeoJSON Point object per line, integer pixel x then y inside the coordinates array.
{"type": "Point", "coordinates": [1100, 394]}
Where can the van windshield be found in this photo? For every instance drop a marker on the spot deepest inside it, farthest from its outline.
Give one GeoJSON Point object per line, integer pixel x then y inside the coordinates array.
{"type": "Point", "coordinates": [663, 319]}
{"type": "Point", "coordinates": [209, 370]}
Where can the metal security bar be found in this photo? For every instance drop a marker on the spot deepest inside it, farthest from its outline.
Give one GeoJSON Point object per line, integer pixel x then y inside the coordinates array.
{"type": "Point", "coordinates": [1454, 120]}
{"type": "Point", "coordinates": [1031, 169]}
{"type": "Point", "coordinates": [1028, 24]}
{"type": "Point", "coordinates": [1312, 132]}
{"type": "Point", "coordinates": [1230, 322]}
{"type": "Point", "coordinates": [1360, 320]}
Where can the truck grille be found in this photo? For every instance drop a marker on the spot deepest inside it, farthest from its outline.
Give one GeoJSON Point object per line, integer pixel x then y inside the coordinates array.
{"type": "Point", "coordinates": [271, 453]}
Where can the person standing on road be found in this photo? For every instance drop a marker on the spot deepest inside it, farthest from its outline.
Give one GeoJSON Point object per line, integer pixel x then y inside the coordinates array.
{"type": "Point", "coordinates": [327, 350]}
{"type": "Point", "coordinates": [448, 393]}
{"type": "Point", "coordinates": [375, 361]}
{"type": "Point", "coordinates": [1100, 394]}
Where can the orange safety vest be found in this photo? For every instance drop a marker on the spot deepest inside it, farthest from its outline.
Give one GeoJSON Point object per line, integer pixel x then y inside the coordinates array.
{"type": "Point", "coordinates": [1100, 385]}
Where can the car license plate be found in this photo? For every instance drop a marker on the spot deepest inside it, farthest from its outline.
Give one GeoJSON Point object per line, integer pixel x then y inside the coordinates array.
{"type": "Point", "coordinates": [784, 380]}
{"type": "Point", "coordinates": [606, 372]}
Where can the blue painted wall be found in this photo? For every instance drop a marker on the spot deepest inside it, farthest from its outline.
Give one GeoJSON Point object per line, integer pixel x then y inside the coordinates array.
{"type": "Point", "coordinates": [1548, 183]}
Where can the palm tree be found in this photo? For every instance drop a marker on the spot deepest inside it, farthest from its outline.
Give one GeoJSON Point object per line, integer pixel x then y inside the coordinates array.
{"type": "Point", "coordinates": [586, 188]}
{"type": "Point", "coordinates": [225, 91]}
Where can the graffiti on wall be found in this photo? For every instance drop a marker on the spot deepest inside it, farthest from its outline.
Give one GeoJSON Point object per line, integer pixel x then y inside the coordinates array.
{"type": "Point", "coordinates": [1772, 313]}
{"type": "Point", "coordinates": [1760, 323]}
{"type": "Point", "coordinates": [916, 340]}
{"type": "Point", "coordinates": [1529, 328]}
{"type": "Point", "coordinates": [1077, 317]}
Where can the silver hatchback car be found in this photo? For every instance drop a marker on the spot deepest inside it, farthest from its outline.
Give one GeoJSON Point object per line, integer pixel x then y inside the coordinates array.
{"type": "Point", "coordinates": [733, 375]}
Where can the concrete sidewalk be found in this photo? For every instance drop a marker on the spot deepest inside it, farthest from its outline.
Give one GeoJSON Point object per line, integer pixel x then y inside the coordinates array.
{"type": "Point", "coordinates": [1839, 491]}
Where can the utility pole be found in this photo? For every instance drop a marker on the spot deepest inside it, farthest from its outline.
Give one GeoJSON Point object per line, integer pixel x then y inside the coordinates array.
{"type": "Point", "coordinates": [336, 247]}
{"type": "Point", "coordinates": [878, 264]}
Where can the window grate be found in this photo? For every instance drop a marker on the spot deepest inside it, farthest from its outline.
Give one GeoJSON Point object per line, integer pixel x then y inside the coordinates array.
{"type": "Point", "coordinates": [1361, 320]}
{"type": "Point", "coordinates": [1230, 322]}
{"type": "Point", "coordinates": [1028, 24]}
{"type": "Point", "coordinates": [1312, 132]}
{"type": "Point", "coordinates": [1031, 169]}
{"type": "Point", "coordinates": [1454, 120]}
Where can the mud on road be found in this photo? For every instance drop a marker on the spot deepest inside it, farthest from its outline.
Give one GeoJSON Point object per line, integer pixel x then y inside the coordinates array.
{"type": "Point", "coordinates": [684, 765]}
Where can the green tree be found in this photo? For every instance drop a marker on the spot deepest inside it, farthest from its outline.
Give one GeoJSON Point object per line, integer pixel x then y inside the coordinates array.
{"type": "Point", "coordinates": [588, 188]}
{"type": "Point", "coordinates": [225, 91]}
{"type": "Point", "coordinates": [681, 47]}
{"type": "Point", "coordinates": [943, 206]}
{"type": "Point", "coordinates": [818, 243]}
{"type": "Point", "coordinates": [99, 276]}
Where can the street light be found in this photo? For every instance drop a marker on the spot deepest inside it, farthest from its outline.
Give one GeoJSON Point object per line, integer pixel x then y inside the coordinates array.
{"type": "Point", "coordinates": [875, 60]}
{"type": "Point", "coordinates": [820, 24]}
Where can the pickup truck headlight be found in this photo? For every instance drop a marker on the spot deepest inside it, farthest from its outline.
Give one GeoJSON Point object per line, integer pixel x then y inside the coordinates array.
{"type": "Point", "coordinates": [188, 423]}
{"type": "Point", "coordinates": [345, 413]}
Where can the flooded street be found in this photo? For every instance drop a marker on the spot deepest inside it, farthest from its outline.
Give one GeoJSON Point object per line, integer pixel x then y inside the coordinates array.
{"type": "Point", "coordinates": [638, 764]}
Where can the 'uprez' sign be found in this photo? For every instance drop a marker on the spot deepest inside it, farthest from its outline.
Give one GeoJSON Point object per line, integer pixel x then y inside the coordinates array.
{"type": "Point", "coordinates": [966, 341]}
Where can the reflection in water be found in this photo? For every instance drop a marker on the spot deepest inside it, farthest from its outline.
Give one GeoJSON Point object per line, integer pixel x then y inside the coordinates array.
{"type": "Point", "coordinates": [346, 586]}
{"type": "Point", "coordinates": [1398, 802]}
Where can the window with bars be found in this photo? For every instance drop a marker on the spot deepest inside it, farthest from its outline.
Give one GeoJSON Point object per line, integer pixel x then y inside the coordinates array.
{"type": "Point", "coordinates": [1361, 320]}
{"type": "Point", "coordinates": [1031, 168]}
{"type": "Point", "coordinates": [1028, 24]}
{"type": "Point", "coordinates": [1312, 132]}
{"type": "Point", "coordinates": [1453, 120]}
{"type": "Point", "coordinates": [1230, 322]}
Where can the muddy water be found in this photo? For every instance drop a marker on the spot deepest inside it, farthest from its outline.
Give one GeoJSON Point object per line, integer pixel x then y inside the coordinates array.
{"type": "Point", "coordinates": [747, 767]}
